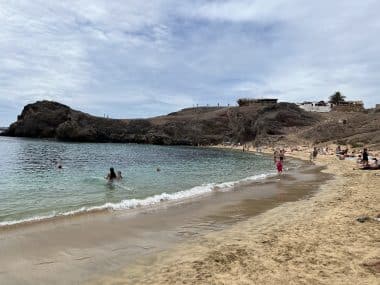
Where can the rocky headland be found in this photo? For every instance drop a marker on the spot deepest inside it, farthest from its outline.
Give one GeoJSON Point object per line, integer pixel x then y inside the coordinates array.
{"type": "Point", "coordinates": [258, 123]}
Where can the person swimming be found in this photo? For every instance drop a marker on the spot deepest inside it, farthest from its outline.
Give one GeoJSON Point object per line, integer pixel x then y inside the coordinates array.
{"type": "Point", "coordinates": [112, 175]}
{"type": "Point", "coordinates": [118, 176]}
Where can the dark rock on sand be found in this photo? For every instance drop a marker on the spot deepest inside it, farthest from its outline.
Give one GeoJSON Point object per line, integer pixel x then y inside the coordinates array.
{"type": "Point", "coordinates": [363, 219]}
{"type": "Point", "coordinates": [373, 265]}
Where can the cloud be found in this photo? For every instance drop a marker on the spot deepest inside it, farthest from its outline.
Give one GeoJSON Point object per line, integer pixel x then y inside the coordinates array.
{"type": "Point", "coordinates": [145, 58]}
{"type": "Point", "coordinates": [239, 11]}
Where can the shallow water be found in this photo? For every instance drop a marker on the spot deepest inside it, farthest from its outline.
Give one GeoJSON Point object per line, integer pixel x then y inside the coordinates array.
{"type": "Point", "coordinates": [32, 187]}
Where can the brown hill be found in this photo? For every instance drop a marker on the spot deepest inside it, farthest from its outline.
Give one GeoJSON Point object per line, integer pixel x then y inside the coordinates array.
{"type": "Point", "coordinates": [355, 128]}
{"type": "Point", "coordinates": [192, 126]}
{"type": "Point", "coordinates": [283, 123]}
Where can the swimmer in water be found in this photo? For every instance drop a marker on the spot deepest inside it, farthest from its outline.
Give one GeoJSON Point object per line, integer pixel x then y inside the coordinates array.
{"type": "Point", "coordinates": [118, 176]}
{"type": "Point", "coordinates": [112, 175]}
{"type": "Point", "coordinates": [58, 164]}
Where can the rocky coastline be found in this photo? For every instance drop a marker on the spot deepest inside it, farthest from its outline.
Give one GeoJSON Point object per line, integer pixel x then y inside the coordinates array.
{"type": "Point", "coordinates": [191, 126]}
{"type": "Point", "coordinates": [256, 124]}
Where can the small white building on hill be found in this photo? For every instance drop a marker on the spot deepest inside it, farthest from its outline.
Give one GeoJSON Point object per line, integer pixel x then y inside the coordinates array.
{"type": "Point", "coordinates": [321, 106]}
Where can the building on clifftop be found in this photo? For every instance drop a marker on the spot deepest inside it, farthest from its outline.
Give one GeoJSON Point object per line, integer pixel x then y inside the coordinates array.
{"type": "Point", "coordinates": [321, 106]}
{"type": "Point", "coordinates": [349, 106]}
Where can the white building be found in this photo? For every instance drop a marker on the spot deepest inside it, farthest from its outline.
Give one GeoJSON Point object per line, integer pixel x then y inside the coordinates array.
{"type": "Point", "coordinates": [320, 106]}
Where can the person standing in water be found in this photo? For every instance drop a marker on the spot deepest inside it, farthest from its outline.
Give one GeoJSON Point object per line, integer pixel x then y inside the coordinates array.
{"type": "Point", "coordinates": [112, 175]}
{"type": "Point", "coordinates": [275, 154]}
{"type": "Point", "coordinates": [279, 166]}
{"type": "Point", "coordinates": [282, 155]}
{"type": "Point", "coordinates": [118, 176]}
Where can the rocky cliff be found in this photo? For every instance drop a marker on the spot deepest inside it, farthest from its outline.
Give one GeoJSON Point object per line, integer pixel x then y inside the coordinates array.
{"type": "Point", "coordinates": [192, 126]}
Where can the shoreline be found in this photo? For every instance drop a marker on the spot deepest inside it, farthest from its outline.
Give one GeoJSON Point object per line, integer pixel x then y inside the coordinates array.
{"type": "Point", "coordinates": [317, 240]}
{"type": "Point", "coordinates": [128, 202]}
{"type": "Point", "coordinates": [92, 246]}
{"type": "Point", "coordinates": [140, 203]}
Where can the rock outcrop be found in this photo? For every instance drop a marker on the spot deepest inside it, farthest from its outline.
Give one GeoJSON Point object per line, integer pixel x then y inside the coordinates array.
{"type": "Point", "coordinates": [192, 126]}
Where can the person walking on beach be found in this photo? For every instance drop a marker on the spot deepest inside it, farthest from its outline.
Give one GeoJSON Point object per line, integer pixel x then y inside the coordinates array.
{"type": "Point", "coordinates": [365, 157]}
{"type": "Point", "coordinates": [313, 154]}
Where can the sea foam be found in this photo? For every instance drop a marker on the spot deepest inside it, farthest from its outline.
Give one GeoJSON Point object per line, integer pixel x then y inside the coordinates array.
{"type": "Point", "coordinates": [148, 201]}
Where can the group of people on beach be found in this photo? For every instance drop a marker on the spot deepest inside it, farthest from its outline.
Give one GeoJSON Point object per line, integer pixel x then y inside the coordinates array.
{"type": "Point", "coordinates": [365, 161]}
{"type": "Point", "coordinates": [363, 158]}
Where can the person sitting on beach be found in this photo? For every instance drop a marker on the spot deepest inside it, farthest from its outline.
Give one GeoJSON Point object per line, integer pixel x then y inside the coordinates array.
{"type": "Point", "coordinates": [366, 166]}
{"type": "Point", "coordinates": [374, 166]}
{"type": "Point", "coordinates": [112, 175]}
{"type": "Point", "coordinates": [118, 176]}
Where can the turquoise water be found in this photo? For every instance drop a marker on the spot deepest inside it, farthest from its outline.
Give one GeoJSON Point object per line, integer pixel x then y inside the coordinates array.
{"type": "Point", "coordinates": [32, 187]}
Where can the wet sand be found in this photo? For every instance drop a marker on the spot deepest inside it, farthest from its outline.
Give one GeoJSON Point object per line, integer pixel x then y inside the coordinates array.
{"type": "Point", "coordinates": [317, 240]}
{"type": "Point", "coordinates": [73, 250]}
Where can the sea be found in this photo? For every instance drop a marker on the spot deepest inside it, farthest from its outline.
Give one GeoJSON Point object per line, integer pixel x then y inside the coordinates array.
{"type": "Point", "coordinates": [33, 188]}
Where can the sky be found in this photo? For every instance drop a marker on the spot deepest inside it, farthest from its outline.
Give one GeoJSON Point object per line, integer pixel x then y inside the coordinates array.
{"type": "Point", "coordinates": [135, 59]}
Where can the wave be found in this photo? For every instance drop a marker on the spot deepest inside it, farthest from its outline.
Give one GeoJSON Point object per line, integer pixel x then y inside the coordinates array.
{"type": "Point", "coordinates": [149, 201]}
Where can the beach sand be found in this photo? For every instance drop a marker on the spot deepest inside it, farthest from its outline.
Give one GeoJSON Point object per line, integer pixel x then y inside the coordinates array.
{"type": "Point", "coordinates": [312, 241]}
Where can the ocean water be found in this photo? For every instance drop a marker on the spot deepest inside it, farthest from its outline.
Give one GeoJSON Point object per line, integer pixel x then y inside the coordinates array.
{"type": "Point", "coordinates": [33, 188]}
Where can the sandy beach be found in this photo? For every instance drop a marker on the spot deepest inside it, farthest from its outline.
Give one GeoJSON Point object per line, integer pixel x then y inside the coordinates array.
{"type": "Point", "coordinates": [317, 240]}
{"type": "Point", "coordinates": [207, 142]}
